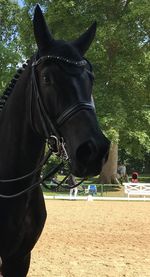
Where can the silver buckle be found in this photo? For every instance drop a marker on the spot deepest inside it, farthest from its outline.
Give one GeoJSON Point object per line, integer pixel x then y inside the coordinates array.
{"type": "Point", "coordinates": [58, 147]}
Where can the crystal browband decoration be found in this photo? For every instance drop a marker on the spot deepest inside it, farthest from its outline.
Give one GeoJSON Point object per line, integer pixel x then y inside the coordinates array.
{"type": "Point", "coordinates": [61, 59]}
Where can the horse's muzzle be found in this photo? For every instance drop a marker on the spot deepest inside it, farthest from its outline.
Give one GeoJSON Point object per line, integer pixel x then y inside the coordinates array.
{"type": "Point", "coordinates": [90, 157]}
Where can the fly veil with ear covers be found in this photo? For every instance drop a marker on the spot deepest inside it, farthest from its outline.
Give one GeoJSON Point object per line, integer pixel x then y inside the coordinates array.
{"type": "Point", "coordinates": [59, 53]}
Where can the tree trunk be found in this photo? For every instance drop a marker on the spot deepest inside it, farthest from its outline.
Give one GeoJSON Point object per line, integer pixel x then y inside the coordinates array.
{"type": "Point", "coordinates": [109, 172]}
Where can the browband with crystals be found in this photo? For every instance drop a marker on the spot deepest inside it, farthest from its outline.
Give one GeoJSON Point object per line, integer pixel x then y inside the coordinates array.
{"type": "Point", "coordinates": [61, 59]}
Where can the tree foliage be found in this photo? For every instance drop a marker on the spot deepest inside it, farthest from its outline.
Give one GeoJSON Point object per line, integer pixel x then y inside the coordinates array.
{"type": "Point", "coordinates": [9, 40]}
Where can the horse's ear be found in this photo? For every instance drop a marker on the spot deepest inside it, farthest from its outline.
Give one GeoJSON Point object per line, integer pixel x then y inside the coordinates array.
{"type": "Point", "coordinates": [41, 31]}
{"type": "Point", "coordinates": [84, 41]}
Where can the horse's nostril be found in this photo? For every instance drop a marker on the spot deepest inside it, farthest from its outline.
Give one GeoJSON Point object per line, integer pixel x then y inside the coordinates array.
{"type": "Point", "coordinates": [85, 152]}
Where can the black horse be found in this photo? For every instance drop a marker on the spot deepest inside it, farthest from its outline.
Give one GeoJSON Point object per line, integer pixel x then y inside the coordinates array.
{"type": "Point", "coordinates": [51, 97]}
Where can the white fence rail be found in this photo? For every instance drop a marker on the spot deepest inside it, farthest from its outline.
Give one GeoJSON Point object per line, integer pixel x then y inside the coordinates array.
{"type": "Point", "coordinates": [137, 189]}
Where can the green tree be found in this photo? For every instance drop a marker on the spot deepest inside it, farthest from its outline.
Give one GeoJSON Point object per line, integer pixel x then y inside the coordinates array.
{"type": "Point", "coordinates": [9, 41]}
{"type": "Point", "coordinates": [122, 86]}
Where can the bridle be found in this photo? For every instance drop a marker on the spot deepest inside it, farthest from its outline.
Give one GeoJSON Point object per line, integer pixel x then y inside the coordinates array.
{"type": "Point", "coordinates": [51, 129]}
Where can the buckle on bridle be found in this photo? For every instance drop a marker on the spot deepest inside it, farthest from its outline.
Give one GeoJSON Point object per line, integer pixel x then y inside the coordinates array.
{"type": "Point", "coordinates": [63, 151]}
{"type": "Point", "coordinates": [53, 143]}
{"type": "Point", "coordinates": [58, 147]}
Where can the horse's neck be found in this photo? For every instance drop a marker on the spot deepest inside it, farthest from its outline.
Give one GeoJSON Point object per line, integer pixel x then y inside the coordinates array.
{"type": "Point", "coordinates": [20, 148]}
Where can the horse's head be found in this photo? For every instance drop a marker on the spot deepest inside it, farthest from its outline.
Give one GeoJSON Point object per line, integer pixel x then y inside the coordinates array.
{"type": "Point", "coordinates": [64, 80]}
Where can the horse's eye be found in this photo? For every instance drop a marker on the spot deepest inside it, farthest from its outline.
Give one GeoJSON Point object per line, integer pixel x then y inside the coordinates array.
{"type": "Point", "coordinates": [46, 79]}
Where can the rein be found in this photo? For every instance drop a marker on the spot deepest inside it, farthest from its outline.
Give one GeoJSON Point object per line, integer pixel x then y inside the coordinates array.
{"type": "Point", "coordinates": [50, 129]}
{"type": "Point", "coordinates": [36, 170]}
{"type": "Point", "coordinates": [60, 184]}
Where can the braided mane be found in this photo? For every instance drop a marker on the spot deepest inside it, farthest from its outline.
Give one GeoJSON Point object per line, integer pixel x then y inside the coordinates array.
{"type": "Point", "coordinates": [7, 92]}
